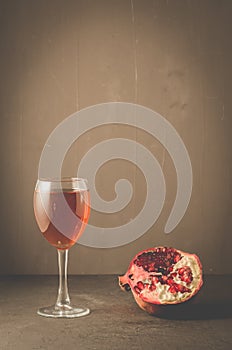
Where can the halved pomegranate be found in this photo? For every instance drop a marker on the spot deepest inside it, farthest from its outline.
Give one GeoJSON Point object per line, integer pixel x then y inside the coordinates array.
{"type": "Point", "coordinates": [162, 276]}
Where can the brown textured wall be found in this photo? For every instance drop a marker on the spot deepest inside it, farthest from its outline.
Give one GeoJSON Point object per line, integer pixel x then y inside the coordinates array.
{"type": "Point", "coordinates": [174, 57]}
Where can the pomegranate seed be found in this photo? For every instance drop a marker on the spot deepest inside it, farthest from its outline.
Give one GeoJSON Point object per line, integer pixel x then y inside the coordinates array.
{"type": "Point", "coordinates": [181, 288]}
{"type": "Point", "coordinates": [181, 271]}
{"type": "Point", "coordinates": [172, 289]}
{"type": "Point", "coordinates": [188, 280]}
{"type": "Point", "coordinates": [140, 285]}
{"type": "Point", "coordinates": [151, 268]}
{"type": "Point", "coordinates": [170, 281]}
{"type": "Point", "coordinates": [162, 270]}
{"type": "Point", "coordinates": [137, 290]}
{"type": "Point", "coordinates": [185, 290]}
{"type": "Point", "coordinates": [155, 280]}
{"type": "Point", "coordinates": [177, 258]}
{"type": "Point", "coordinates": [174, 274]}
{"type": "Point", "coordinates": [152, 287]}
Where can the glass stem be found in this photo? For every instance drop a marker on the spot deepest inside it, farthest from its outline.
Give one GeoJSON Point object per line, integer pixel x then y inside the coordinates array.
{"type": "Point", "coordinates": [63, 296]}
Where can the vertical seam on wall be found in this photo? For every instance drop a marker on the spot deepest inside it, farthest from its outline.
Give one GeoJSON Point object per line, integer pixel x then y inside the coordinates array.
{"type": "Point", "coordinates": [134, 51]}
{"type": "Point", "coordinates": [134, 41]}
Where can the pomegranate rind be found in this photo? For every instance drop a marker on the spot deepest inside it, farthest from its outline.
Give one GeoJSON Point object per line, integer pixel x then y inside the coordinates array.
{"type": "Point", "coordinates": [149, 302]}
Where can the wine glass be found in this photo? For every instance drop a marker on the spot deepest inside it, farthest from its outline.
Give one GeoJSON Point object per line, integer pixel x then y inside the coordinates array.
{"type": "Point", "coordinates": [62, 208]}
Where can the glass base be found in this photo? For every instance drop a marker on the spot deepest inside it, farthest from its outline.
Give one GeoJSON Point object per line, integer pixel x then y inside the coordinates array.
{"type": "Point", "coordinates": [65, 311]}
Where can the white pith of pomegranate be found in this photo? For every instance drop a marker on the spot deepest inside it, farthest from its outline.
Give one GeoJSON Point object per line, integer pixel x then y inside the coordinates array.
{"type": "Point", "coordinates": [163, 276]}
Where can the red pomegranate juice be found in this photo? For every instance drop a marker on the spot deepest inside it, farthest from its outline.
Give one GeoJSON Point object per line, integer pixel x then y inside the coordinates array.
{"type": "Point", "coordinates": [54, 215]}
